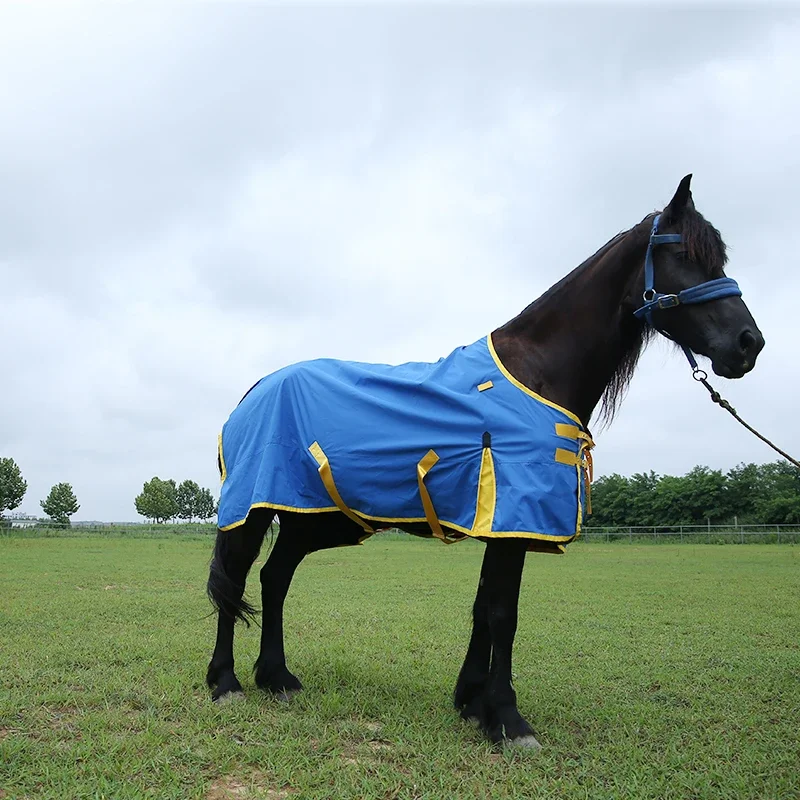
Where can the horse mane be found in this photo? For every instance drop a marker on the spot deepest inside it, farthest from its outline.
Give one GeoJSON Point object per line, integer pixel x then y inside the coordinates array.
{"type": "Point", "coordinates": [617, 387]}
{"type": "Point", "coordinates": [703, 242]}
{"type": "Point", "coordinates": [704, 245]}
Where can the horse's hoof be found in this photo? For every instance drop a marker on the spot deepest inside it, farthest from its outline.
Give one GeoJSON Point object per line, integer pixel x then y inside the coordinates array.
{"type": "Point", "coordinates": [279, 683]}
{"type": "Point", "coordinates": [528, 742]}
{"type": "Point", "coordinates": [228, 697]}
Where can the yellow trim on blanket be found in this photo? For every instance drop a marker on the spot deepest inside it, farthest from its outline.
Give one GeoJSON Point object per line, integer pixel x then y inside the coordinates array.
{"type": "Point", "coordinates": [327, 479]}
{"type": "Point", "coordinates": [487, 495]}
{"type": "Point", "coordinates": [458, 528]}
{"type": "Point", "coordinates": [278, 507]}
{"type": "Point", "coordinates": [545, 537]}
{"type": "Point", "coordinates": [522, 386]}
{"type": "Point", "coordinates": [482, 387]}
{"type": "Point", "coordinates": [222, 468]}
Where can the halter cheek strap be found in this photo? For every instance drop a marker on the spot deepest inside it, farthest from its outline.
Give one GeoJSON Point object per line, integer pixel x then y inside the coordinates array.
{"type": "Point", "coordinates": [702, 293]}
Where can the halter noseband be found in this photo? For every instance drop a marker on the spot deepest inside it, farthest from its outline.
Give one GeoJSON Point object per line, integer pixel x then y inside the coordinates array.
{"type": "Point", "coordinates": [702, 293]}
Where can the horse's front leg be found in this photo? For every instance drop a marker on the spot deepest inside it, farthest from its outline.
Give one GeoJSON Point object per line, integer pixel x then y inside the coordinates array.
{"type": "Point", "coordinates": [468, 695]}
{"type": "Point", "coordinates": [501, 576]}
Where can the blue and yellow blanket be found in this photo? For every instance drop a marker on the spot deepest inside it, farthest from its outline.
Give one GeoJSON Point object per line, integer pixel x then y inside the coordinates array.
{"type": "Point", "coordinates": [460, 445]}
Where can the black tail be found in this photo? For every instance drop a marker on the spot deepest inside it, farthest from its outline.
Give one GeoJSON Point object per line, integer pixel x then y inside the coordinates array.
{"type": "Point", "coordinates": [234, 554]}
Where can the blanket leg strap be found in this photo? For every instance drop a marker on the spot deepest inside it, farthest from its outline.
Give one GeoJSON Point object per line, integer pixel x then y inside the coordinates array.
{"type": "Point", "coordinates": [423, 468]}
{"type": "Point", "coordinates": [327, 479]}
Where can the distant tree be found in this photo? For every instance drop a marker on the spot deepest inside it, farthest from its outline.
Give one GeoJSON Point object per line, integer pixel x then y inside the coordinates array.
{"type": "Point", "coordinates": [743, 484]}
{"type": "Point", "coordinates": [12, 486]}
{"type": "Point", "coordinates": [187, 497]}
{"type": "Point", "coordinates": [670, 502]}
{"type": "Point", "coordinates": [61, 503]}
{"type": "Point", "coordinates": [206, 507]}
{"type": "Point", "coordinates": [158, 500]}
{"type": "Point", "coordinates": [642, 489]}
{"type": "Point", "coordinates": [705, 495]}
{"type": "Point", "coordinates": [766, 494]}
{"type": "Point", "coordinates": [611, 500]}
{"type": "Point", "coordinates": [172, 491]}
{"type": "Point", "coordinates": [778, 502]}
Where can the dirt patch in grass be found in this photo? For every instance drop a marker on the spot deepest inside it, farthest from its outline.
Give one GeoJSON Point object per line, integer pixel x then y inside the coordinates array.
{"type": "Point", "coordinates": [63, 718]}
{"type": "Point", "coordinates": [230, 787]}
{"type": "Point", "coordinates": [377, 746]}
{"type": "Point", "coordinates": [227, 787]}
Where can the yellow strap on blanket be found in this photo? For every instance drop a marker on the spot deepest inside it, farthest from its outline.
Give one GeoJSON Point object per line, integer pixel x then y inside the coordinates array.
{"type": "Point", "coordinates": [423, 468]}
{"type": "Point", "coordinates": [588, 475]}
{"type": "Point", "coordinates": [573, 432]}
{"type": "Point", "coordinates": [327, 479]}
{"type": "Point", "coordinates": [567, 457]}
{"type": "Point", "coordinates": [581, 459]}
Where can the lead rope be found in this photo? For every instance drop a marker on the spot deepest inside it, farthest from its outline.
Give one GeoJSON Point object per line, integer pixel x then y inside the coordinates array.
{"type": "Point", "coordinates": [701, 376]}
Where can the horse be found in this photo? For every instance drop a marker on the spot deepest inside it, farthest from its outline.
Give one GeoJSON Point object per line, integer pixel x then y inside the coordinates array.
{"type": "Point", "coordinates": [572, 349]}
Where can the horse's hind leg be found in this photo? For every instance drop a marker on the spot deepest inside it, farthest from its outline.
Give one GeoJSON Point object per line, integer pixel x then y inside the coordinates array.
{"type": "Point", "coordinates": [290, 548]}
{"type": "Point", "coordinates": [234, 554]}
{"type": "Point", "coordinates": [300, 534]}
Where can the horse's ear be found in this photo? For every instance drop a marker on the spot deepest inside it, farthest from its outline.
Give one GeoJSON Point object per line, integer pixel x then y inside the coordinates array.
{"type": "Point", "coordinates": [680, 202]}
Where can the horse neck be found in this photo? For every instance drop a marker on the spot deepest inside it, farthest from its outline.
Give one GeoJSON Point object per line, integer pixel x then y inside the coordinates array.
{"type": "Point", "coordinates": [569, 344]}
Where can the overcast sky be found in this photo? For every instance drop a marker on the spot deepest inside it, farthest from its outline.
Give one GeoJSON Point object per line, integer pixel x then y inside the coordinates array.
{"type": "Point", "coordinates": [194, 196]}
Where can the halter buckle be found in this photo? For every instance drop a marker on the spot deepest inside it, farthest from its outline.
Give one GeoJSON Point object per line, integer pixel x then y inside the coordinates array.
{"type": "Point", "coordinates": [669, 301]}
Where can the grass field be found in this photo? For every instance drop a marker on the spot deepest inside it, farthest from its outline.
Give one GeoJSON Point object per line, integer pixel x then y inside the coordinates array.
{"type": "Point", "coordinates": [648, 672]}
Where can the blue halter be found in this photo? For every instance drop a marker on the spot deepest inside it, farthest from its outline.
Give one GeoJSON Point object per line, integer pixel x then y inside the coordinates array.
{"type": "Point", "coordinates": [702, 293]}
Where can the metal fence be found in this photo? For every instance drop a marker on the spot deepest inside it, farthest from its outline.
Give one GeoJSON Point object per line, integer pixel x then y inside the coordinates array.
{"type": "Point", "coordinates": [658, 534]}
{"type": "Point", "coordinates": [47, 528]}
{"type": "Point", "coordinates": [698, 534]}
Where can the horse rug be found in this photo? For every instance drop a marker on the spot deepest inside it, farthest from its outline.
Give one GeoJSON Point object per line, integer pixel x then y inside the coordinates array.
{"type": "Point", "coordinates": [459, 444]}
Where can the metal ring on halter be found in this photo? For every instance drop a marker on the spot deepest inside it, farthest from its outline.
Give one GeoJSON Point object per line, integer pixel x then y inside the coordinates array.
{"type": "Point", "coordinates": [651, 293]}
{"type": "Point", "coordinates": [699, 375]}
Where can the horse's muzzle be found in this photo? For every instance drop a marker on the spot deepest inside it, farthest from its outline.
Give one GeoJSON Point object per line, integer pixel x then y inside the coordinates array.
{"type": "Point", "coordinates": [740, 359]}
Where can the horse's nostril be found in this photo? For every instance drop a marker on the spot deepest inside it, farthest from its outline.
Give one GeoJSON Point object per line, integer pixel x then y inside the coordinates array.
{"type": "Point", "coordinates": [747, 340]}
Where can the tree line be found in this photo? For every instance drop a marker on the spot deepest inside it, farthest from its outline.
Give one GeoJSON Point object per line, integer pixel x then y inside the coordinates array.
{"type": "Point", "coordinates": [748, 494]}
{"type": "Point", "coordinates": [159, 500]}
{"type": "Point", "coordinates": [60, 504]}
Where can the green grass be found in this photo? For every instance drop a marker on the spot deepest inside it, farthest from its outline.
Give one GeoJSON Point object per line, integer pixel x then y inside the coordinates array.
{"type": "Point", "coordinates": [648, 672]}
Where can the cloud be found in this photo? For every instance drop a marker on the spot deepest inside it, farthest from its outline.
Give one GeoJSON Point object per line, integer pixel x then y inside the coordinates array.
{"type": "Point", "coordinates": [196, 196]}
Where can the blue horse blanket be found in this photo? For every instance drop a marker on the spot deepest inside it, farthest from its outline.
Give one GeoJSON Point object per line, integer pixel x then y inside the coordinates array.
{"type": "Point", "coordinates": [459, 444]}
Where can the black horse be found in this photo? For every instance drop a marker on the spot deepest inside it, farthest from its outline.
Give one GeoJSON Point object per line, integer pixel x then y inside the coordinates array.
{"type": "Point", "coordinates": [577, 346]}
